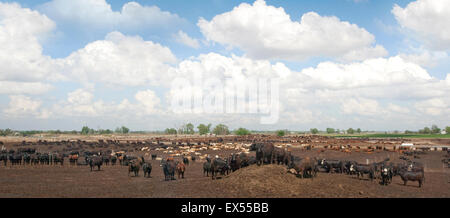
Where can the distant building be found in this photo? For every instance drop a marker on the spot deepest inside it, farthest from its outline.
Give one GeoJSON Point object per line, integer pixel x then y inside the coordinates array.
{"type": "Point", "coordinates": [443, 132]}
{"type": "Point", "coordinates": [406, 146]}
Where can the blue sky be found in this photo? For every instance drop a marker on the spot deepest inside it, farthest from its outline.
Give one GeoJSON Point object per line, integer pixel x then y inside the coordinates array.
{"type": "Point", "coordinates": [104, 67]}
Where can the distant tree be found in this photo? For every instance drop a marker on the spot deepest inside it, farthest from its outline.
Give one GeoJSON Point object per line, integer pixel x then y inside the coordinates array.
{"type": "Point", "coordinates": [171, 131]}
{"type": "Point", "coordinates": [408, 132]}
{"type": "Point", "coordinates": [447, 130]}
{"type": "Point", "coordinates": [350, 131]}
{"type": "Point", "coordinates": [330, 130]}
{"type": "Point", "coordinates": [203, 129]}
{"type": "Point", "coordinates": [426, 130]}
{"type": "Point", "coordinates": [85, 130]}
{"type": "Point", "coordinates": [435, 129]}
{"type": "Point", "coordinates": [314, 130]}
{"type": "Point", "coordinates": [189, 129]}
{"type": "Point", "coordinates": [358, 130]}
{"type": "Point", "coordinates": [221, 129]}
{"type": "Point", "coordinates": [103, 131]}
{"type": "Point", "coordinates": [122, 130]}
{"type": "Point", "coordinates": [242, 131]}
{"type": "Point", "coordinates": [281, 132]}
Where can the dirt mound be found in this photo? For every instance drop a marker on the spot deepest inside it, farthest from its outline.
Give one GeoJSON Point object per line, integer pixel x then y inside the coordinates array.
{"type": "Point", "coordinates": [274, 181]}
{"type": "Point", "coordinates": [264, 181]}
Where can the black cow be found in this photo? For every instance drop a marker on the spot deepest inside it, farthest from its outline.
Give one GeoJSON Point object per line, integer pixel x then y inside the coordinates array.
{"type": "Point", "coordinates": [235, 162]}
{"type": "Point", "coordinates": [362, 169]}
{"type": "Point", "coordinates": [207, 167]}
{"type": "Point", "coordinates": [412, 176]}
{"type": "Point", "coordinates": [95, 161]}
{"type": "Point", "coordinates": [113, 160]}
{"type": "Point", "coordinates": [219, 165]}
{"type": "Point", "coordinates": [186, 161]}
{"type": "Point", "coordinates": [281, 156]}
{"type": "Point", "coordinates": [147, 168]}
{"type": "Point", "coordinates": [332, 165]}
{"type": "Point", "coordinates": [347, 165]}
{"type": "Point", "coordinates": [4, 158]}
{"type": "Point", "coordinates": [386, 175]}
{"type": "Point", "coordinates": [58, 158]}
{"type": "Point", "coordinates": [106, 159]}
{"type": "Point", "coordinates": [264, 153]}
{"type": "Point", "coordinates": [169, 167]}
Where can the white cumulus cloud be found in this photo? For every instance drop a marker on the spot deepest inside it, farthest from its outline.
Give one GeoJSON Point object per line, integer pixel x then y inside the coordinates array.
{"type": "Point", "coordinates": [264, 31]}
{"type": "Point", "coordinates": [429, 19]}
{"type": "Point", "coordinates": [23, 67]}
{"type": "Point", "coordinates": [119, 60]}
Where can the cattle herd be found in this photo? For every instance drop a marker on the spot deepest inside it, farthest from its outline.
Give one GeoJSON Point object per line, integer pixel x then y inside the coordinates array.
{"type": "Point", "coordinates": [267, 153]}
{"type": "Point", "coordinates": [257, 152]}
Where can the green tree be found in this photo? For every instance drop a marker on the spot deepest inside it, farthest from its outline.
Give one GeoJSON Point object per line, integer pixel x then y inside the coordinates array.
{"type": "Point", "coordinates": [435, 129]}
{"type": "Point", "coordinates": [122, 130]}
{"type": "Point", "coordinates": [330, 130]}
{"type": "Point", "coordinates": [203, 129]}
{"type": "Point", "coordinates": [125, 130]}
{"type": "Point", "coordinates": [358, 130]}
{"type": "Point", "coordinates": [281, 133]}
{"type": "Point", "coordinates": [85, 130]}
{"type": "Point", "coordinates": [350, 131]}
{"type": "Point", "coordinates": [447, 130]}
{"type": "Point", "coordinates": [171, 131]}
{"type": "Point", "coordinates": [221, 129]}
{"type": "Point", "coordinates": [242, 131]}
{"type": "Point", "coordinates": [189, 129]}
{"type": "Point", "coordinates": [314, 130]}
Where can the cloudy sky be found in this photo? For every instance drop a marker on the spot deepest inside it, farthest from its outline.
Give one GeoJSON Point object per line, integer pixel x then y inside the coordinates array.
{"type": "Point", "coordinates": [377, 65]}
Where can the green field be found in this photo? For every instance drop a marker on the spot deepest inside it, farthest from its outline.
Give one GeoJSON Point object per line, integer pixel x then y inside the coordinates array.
{"type": "Point", "coordinates": [383, 135]}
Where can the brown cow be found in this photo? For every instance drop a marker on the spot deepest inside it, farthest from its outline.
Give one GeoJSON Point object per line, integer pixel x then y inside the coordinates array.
{"type": "Point", "coordinates": [180, 169]}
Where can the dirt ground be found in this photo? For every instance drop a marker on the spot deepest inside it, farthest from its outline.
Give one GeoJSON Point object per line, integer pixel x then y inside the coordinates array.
{"type": "Point", "coordinates": [268, 181]}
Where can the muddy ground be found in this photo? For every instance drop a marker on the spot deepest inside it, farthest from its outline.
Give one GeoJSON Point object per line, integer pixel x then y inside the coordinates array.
{"type": "Point", "coordinates": [272, 181]}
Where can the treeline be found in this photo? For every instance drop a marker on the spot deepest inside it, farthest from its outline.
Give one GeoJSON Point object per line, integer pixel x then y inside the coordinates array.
{"type": "Point", "coordinates": [84, 131]}
{"type": "Point", "coordinates": [203, 129]}
{"type": "Point", "coordinates": [338, 131]}
{"type": "Point", "coordinates": [119, 130]}
{"type": "Point", "coordinates": [9, 132]}
{"type": "Point", "coordinates": [434, 129]}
